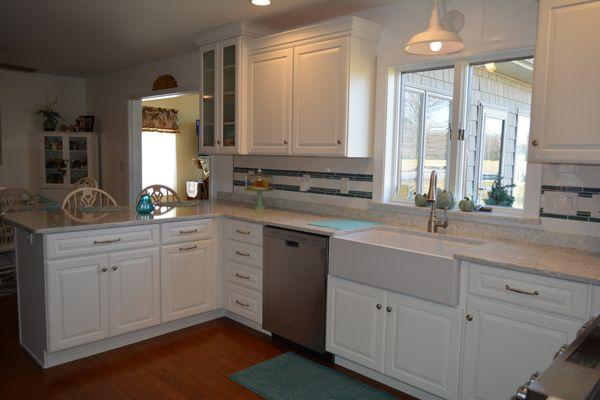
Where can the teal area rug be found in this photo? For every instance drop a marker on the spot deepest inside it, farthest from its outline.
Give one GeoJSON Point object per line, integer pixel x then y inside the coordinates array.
{"type": "Point", "coordinates": [292, 377]}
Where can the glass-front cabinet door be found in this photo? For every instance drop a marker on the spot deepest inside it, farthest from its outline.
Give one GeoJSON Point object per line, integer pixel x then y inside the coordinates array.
{"type": "Point", "coordinates": [208, 107]}
{"type": "Point", "coordinates": [54, 160]}
{"type": "Point", "coordinates": [229, 98]}
{"type": "Point", "coordinates": [78, 158]}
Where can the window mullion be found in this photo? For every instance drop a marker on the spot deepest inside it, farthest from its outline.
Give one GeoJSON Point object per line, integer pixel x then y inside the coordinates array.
{"type": "Point", "coordinates": [457, 162]}
{"type": "Point", "coordinates": [421, 160]}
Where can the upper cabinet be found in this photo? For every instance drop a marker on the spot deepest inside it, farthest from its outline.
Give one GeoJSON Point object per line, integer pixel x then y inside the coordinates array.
{"type": "Point", "coordinates": [223, 57]}
{"type": "Point", "coordinates": [566, 85]}
{"type": "Point", "coordinates": [312, 90]}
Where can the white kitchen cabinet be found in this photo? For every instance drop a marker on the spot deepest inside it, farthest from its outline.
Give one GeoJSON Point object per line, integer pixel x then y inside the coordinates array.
{"type": "Point", "coordinates": [566, 84]}
{"type": "Point", "coordinates": [332, 92]}
{"type": "Point", "coordinates": [504, 345]}
{"type": "Point", "coordinates": [134, 290]}
{"type": "Point", "coordinates": [187, 279]}
{"type": "Point", "coordinates": [595, 306]}
{"type": "Point", "coordinates": [423, 342]}
{"type": "Point", "coordinates": [270, 102]}
{"type": "Point", "coordinates": [320, 97]}
{"type": "Point", "coordinates": [356, 322]}
{"type": "Point", "coordinates": [77, 301]}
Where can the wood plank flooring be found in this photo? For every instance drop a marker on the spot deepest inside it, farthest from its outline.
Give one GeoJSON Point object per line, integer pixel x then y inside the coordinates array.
{"type": "Point", "coordinates": [193, 363]}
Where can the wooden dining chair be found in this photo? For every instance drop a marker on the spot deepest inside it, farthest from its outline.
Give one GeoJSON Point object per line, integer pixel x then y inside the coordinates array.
{"type": "Point", "coordinates": [87, 197]}
{"type": "Point", "coordinates": [160, 194]}
{"type": "Point", "coordinates": [85, 182]}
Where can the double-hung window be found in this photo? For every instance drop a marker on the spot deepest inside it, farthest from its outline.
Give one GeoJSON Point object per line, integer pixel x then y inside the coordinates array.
{"type": "Point", "coordinates": [489, 144]}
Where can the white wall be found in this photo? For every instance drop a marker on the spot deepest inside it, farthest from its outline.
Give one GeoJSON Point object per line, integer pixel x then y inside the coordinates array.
{"type": "Point", "coordinates": [108, 97]}
{"type": "Point", "coordinates": [20, 94]}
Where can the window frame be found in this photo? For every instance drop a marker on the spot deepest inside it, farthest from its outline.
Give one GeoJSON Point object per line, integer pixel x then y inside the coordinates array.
{"type": "Point", "coordinates": [388, 117]}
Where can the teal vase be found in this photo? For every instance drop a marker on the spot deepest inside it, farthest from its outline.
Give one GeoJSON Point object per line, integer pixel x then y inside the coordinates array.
{"type": "Point", "coordinates": [144, 205]}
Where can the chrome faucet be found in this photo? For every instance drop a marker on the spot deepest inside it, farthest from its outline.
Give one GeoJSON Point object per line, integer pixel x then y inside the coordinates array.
{"type": "Point", "coordinates": [433, 224]}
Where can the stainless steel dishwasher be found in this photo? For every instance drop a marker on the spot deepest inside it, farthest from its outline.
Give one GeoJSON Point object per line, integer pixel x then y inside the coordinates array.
{"type": "Point", "coordinates": [295, 286]}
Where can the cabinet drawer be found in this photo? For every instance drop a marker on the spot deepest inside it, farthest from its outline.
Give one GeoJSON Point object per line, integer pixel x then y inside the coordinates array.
{"type": "Point", "coordinates": [244, 276]}
{"type": "Point", "coordinates": [186, 231]}
{"type": "Point", "coordinates": [244, 253]}
{"type": "Point", "coordinates": [244, 302]}
{"type": "Point", "coordinates": [62, 245]}
{"type": "Point", "coordinates": [244, 232]}
{"type": "Point", "coordinates": [538, 292]}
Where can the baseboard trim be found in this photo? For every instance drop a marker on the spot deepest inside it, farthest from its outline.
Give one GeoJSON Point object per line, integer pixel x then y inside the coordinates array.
{"type": "Point", "coordinates": [386, 380]}
{"type": "Point", "coordinates": [86, 350]}
{"type": "Point", "coordinates": [245, 321]}
{"type": "Point", "coordinates": [32, 354]}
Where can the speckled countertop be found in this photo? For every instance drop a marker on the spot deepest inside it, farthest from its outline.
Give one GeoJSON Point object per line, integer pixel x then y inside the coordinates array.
{"type": "Point", "coordinates": [559, 262]}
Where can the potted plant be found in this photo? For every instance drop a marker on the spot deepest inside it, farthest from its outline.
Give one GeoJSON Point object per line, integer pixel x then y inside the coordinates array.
{"type": "Point", "coordinates": [500, 195]}
{"type": "Point", "coordinates": [50, 115]}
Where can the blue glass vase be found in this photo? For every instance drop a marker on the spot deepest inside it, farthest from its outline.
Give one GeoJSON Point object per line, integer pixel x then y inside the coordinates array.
{"type": "Point", "coordinates": [144, 205]}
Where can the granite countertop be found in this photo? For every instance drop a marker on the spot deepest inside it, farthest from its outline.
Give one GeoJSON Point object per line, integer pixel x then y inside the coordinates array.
{"type": "Point", "coordinates": [559, 262]}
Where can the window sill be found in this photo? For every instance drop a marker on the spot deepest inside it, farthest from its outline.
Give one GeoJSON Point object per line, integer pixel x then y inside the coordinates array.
{"type": "Point", "coordinates": [497, 217]}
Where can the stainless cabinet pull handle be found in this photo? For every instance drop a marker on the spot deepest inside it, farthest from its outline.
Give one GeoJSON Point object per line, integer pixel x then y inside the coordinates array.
{"type": "Point", "coordinates": [115, 267]}
{"type": "Point", "coordinates": [239, 303]}
{"type": "Point", "coordinates": [242, 276]}
{"type": "Point", "coordinates": [187, 232]}
{"type": "Point", "coordinates": [388, 309]}
{"type": "Point", "coordinates": [107, 241]}
{"type": "Point", "coordinates": [239, 253]}
{"type": "Point", "coordinates": [242, 232]}
{"type": "Point", "coordinates": [379, 306]}
{"type": "Point", "coordinates": [188, 248]}
{"type": "Point", "coordinates": [522, 291]}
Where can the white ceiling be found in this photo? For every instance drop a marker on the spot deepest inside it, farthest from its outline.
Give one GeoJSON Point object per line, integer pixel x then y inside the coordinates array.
{"type": "Point", "coordinates": [90, 37]}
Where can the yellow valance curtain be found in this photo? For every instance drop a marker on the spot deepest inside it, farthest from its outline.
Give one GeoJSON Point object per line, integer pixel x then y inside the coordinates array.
{"type": "Point", "coordinates": [157, 119]}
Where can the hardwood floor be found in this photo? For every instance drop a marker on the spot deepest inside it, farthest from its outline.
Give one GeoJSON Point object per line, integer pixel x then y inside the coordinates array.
{"type": "Point", "coordinates": [193, 363]}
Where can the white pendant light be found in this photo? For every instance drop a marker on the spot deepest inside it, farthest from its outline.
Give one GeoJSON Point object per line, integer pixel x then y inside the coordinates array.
{"type": "Point", "coordinates": [435, 40]}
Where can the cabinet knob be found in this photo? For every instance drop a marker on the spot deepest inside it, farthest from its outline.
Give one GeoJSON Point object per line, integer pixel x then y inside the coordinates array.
{"type": "Point", "coordinates": [104, 269]}
{"type": "Point", "coordinates": [388, 309]}
{"type": "Point", "coordinates": [535, 142]}
{"type": "Point", "coordinates": [469, 317]}
{"type": "Point", "coordinates": [339, 142]}
{"type": "Point", "coordinates": [379, 306]}
{"type": "Point", "coordinates": [218, 142]}
{"type": "Point", "coordinates": [115, 267]}
{"type": "Point", "coordinates": [285, 142]}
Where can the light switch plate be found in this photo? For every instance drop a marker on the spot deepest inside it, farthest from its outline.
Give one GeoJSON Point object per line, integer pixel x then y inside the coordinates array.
{"type": "Point", "coordinates": [344, 185]}
{"type": "Point", "coordinates": [304, 183]}
{"type": "Point", "coordinates": [595, 211]}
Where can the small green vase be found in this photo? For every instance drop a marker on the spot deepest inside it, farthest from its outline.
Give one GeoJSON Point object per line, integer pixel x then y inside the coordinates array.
{"type": "Point", "coordinates": [144, 205]}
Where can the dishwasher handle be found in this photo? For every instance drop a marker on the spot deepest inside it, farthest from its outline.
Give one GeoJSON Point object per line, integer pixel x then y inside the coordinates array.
{"type": "Point", "coordinates": [291, 243]}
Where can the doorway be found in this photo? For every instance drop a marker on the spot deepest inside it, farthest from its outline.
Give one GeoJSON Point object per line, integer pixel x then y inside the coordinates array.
{"type": "Point", "coordinates": [166, 144]}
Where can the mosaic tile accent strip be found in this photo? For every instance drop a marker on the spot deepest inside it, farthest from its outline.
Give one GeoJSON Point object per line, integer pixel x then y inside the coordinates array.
{"type": "Point", "coordinates": [583, 212]}
{"type": "Point", "coordinates": [334, 177]}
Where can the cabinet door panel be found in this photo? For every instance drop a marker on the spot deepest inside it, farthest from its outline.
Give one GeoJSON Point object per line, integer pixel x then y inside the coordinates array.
{"type": "Point", "coordinates": [566, 86]}
{"type": "Point", "coordinates": [210, 96]}
{"type": "Point", "coordinates": [270, 102]}
{"type": "Point", "coordinates": [504, 345]}
{"type": "Point", "coordinates": [356, 322]}
{"type": "Point", "coordinates": [320, 98]}
{"type": "Point", "coordinates": [423, 344]}
{"type": "Point", "coordinates": [77, 301]}
{"type": "Point", "coordinates": [134, 290]}
{"type": "Point", "coordinates": [187, 279]}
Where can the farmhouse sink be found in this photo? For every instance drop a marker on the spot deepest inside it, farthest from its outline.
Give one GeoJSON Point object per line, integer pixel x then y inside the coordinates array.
{"type": "Point", "coordinates": [417, 265]}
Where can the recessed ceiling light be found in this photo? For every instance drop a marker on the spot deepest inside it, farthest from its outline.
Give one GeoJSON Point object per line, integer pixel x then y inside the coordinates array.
{"type": "Point", "coordinates": [261, 2]}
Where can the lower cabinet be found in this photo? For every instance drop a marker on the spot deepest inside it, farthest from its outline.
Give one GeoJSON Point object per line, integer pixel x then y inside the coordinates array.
{"type": "Point", "coordinates": [412, 340]}
{"type": "Point", "coordinates": [187, 279]}
{"type": "Point", "coordinates": [99, 296]}
{"type": "Point", "coordinates": [77, 301]}
{"type": "Point", "coordinates": [134, 290]}
{"type": "Point", "coordinates": [504, 345]}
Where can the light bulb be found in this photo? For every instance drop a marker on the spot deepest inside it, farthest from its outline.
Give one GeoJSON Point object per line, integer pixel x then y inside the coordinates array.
{"type": "Point", "coordinates": [261, 2]}
{"type": "Point", "coordinates": [491, 67]}
{"type": "Point", "coordinates": [435, 46]}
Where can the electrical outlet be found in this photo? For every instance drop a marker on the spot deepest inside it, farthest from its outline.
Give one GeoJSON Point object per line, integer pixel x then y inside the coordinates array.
{"type": "Point", "coordinates": [344, 185]}
{"type": "Point", "coordinates": [595, 211]}
{"type": "Point", "coordinates": [304, 183]}
{"type": "Point", "coordinates": [560, 203]}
